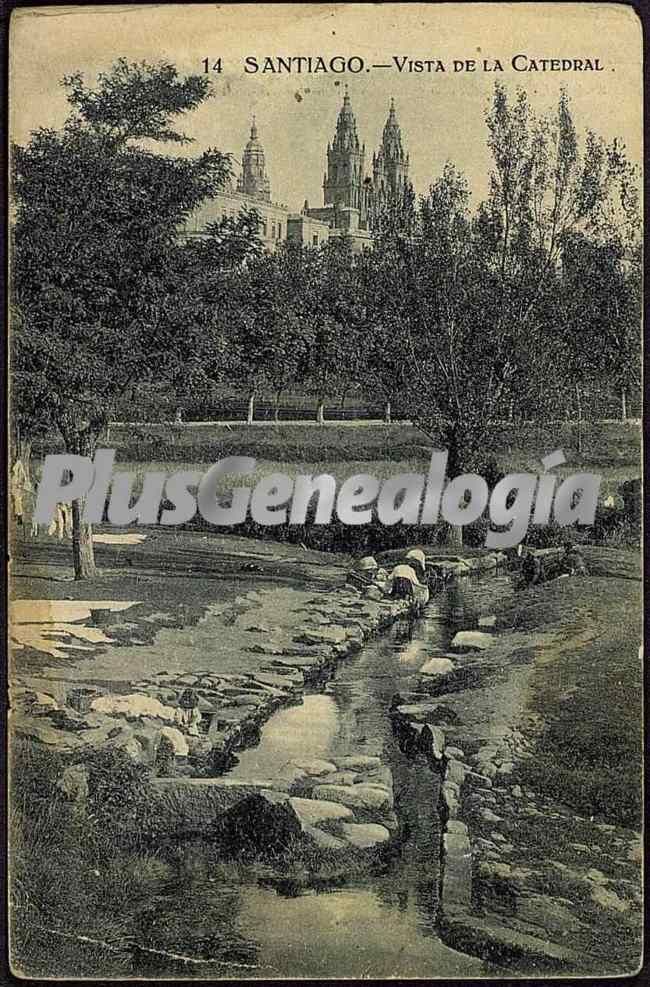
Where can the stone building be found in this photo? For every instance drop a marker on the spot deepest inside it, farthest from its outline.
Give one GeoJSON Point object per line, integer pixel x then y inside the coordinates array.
{"type": "Point", "coordinates": [252, 191]}
{"type": "Point", "coordinates": [306, 229]}
{"type": "Point", "coordinates": [352, 198]}
{"type": "Point", "coordinates": [390, 168]}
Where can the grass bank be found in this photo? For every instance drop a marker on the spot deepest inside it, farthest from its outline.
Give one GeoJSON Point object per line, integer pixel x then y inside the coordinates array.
{"type": "Point", "coordinates": [521, 446]}
{"type": "Point", "coordinates": [589, 699]}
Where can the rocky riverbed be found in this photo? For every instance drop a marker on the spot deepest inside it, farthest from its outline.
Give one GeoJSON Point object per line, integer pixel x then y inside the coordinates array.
{"type": "Point", "coordinates": [526, 878]}
{"type": "Point", "coordinates": [529, 878]}
{"type": "Point", "coordinates": [144, 716]}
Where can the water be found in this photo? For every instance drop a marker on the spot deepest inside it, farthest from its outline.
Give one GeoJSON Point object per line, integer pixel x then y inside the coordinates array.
{"type": "Point", "coordinates": [381, 925]}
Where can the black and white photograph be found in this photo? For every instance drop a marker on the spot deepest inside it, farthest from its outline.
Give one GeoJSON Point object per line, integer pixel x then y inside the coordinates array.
{"type": "Point", "coordinates": [325, 645]}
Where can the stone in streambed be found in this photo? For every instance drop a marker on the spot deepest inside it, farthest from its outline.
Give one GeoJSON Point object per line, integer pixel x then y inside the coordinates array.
{"type": "Point", "coordinates": [311, 812]}
{"type": "Point", "coordinates": [177, 741]}
{"type": "Point", "coordinates": [323, 840]}
{"type": "Point", "coordinates": [609, 899]}
{"type": "Point", "coordinates": [494, 869]}
{"type": "Point", "coordinates": [340, 778]}
{"type": "Point", "coordinates": [356, 762]}
{"type": "Point", "coordinates": [437, 667]}
{"type": "Point", "coordinates": [487, 623]}
{"type": "Point", "coordinates": [365, 835]}
{"type": "Point", "coordinates": [269, 678]}
{"type": "Point", "coordinates": [133, 706]}
{"type": "Point", "coordinates": [456, 771]}
{"type": "Point", "coordinates": [315, 766]}
{"type": "Point", "coordinates": [364, 797]}
{"type": "Point", "coordinates": [381, 776]}
{"type": "Point", "coordinates": [472, 641]}
{"type": "Point", "coordinates": [596, 876]}
{"type": "Point", "coordinates": [419, 712]}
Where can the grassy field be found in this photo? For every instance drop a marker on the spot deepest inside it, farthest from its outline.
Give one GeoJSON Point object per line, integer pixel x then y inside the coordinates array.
{"type": "Point", "coordinates": [611, 449]}
{"type": "Point", "coordinates": [605, 445]}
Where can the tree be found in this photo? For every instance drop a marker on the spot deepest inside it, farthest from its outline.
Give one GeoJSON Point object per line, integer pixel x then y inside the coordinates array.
{"type": "Point", "coordinates": [602, 295]}
{"type": "Point", "coordinates": [271, 329]}
{"type": "Point", "coordinates": [336, 315]}
{"type": "Point", "coordinates": [476, 295]}
{"type": "Point", "coordinates": [100, 282]}
{"type": "Point", "coordinates": [215, 265]}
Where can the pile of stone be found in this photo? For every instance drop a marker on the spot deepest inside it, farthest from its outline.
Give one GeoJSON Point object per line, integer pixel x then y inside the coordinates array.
{"type": "Point", "coordinates": [340, 804]}
{"type": "Point", "coordinates": [191, 724]}
{"type": "Point", "coordinates": [176, 724]}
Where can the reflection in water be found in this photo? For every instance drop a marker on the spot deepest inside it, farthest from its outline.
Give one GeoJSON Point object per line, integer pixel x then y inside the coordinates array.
{"type": "Point", "coordinates": [307, 730]}
{"type": "Point", "coordinates": [381, 925]}
{"type": "Point", "coordinates": [347, 933]}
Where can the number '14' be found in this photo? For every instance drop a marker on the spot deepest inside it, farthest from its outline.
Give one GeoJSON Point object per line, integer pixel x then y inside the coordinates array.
{"type": "Point", "coordinates": [216, 67]}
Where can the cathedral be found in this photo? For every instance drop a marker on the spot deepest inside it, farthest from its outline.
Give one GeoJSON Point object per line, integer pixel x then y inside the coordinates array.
{"type": "Point", "coordinates": [354, 198]}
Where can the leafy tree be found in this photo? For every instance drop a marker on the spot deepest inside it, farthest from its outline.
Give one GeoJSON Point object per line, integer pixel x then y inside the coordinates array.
{"type": "Point", "coordinates": [336, 315]}
{"type": "Point", "coordinates": [271, 329]}
{"type": "Point", "coordinates": [473, 327]}
{"type": "Point", "coordinates": [100, 282]}
{"type": "Point", "coordinates": [601, 291]}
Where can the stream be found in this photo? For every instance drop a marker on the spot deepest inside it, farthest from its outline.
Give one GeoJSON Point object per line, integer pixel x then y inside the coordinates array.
{"type": "Point", "coordinates": [380, 925]}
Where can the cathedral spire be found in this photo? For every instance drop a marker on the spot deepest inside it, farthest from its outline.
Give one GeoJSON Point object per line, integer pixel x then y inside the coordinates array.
{"type": "Point", "coordinates": [343, 185]}
{"type": "Point", "coordinates": [390, 165]}
{"type": "Point", "coordinates": [392, 137]}
{"type": "Point", "coordinates": [254, 180]}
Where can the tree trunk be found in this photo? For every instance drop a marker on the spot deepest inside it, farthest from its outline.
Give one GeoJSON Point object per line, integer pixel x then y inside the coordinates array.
{"type": "Point", "coordinates": [82, 441]}
{"type": "Point", "coordinates": [24, 450]}
{"type": "Point", "coordinates": [387, 413]}
{"type": "Point", "coordinates": [454, 537]}
{"type": "Point", "coordinates": [454, 533]}
{"type": "Point", "coordinates": [276, 409]}
{"type": "Point", "coordinates": [320, 412]}
{"type": "Point", "coordinates": [623, 404]}
{"type": "Point", "coordinates": [251, 409]}
{"type": "Point", "coordinates": [83, 553]}
{"type": "Point", "coordinates": [579, 412]}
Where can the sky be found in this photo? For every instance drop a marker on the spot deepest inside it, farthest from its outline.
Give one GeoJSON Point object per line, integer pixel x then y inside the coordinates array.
{"type": "Point", "coordinates": [442, 114]}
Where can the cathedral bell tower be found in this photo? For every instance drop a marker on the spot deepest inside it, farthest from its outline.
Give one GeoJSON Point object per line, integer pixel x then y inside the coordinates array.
{"type": "Point", "coordinates": [390, 165]}
{"type": "Point", "coordinates": [343, 184]}
{"type": "Point", "coordinates": [254, 181]}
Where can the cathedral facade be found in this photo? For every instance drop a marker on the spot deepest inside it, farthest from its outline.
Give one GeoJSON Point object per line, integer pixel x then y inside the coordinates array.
{"type": "Point", "coordinates": [354, 196]}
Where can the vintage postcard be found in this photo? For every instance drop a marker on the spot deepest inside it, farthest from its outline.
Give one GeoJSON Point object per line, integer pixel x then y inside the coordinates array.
{"type": "Point", "coordinates": [325, 491]}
